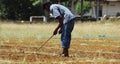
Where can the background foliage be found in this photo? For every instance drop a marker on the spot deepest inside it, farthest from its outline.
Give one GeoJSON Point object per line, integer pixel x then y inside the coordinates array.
{"type": "Point", "coordinates": [23, 9]}
{"type": "Point", "coordinates": [19, 9]}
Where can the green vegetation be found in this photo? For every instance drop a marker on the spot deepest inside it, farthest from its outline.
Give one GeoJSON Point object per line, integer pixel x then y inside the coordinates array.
{"type": "Point", "coordinates": [23, 9]}
{"type": "Point", "coordinates": [20, 9]}
{"type": "Point", "coordinates": [86, 6]}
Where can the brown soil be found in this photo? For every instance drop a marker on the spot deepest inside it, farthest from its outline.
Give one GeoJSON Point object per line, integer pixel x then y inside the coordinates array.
{"type": "Point", "coordinates": [15, 52]}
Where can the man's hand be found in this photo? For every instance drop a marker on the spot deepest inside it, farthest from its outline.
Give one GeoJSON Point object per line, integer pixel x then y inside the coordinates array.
{"type": "Point", "coordinates": [60, 31]}
{"type": "Point", "coordinates": [55, 31]}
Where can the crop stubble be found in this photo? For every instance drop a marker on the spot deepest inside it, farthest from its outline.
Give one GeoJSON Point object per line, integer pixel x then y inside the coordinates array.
{"type": "Point", "coordinates": [82, 50]}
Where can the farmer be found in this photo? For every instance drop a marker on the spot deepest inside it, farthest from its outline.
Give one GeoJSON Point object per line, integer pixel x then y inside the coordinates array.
{"type": "Point", "coordinates": [65, 26]}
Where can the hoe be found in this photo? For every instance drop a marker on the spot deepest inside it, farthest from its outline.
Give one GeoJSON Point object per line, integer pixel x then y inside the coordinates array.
{"type": "Point", "coordinates": [45, 42]}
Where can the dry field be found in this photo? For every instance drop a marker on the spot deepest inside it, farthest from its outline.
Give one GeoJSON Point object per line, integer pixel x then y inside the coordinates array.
{"type": "Point", "coordinates": [92, 43]}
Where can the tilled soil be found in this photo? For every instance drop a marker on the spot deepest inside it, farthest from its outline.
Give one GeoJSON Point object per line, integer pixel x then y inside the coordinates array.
{"type": "Point", "coordinates": [86, 53]}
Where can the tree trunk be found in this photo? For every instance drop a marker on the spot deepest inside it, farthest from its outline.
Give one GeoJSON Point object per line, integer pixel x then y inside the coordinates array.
{"type": "Point", "coordinates": [82, 9]}
{"type": "Point", "coordinates": [73, 3]}
{"type": "Point", "coordinates": [47, 16]}
{"type": "Point", "coordinates": [97, 9]}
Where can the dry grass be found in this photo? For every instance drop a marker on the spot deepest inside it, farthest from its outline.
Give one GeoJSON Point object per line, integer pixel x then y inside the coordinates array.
{"type": "Point", "coordinates": [92, 43]}
{"type": "Point", "coordinates": [87, 29]}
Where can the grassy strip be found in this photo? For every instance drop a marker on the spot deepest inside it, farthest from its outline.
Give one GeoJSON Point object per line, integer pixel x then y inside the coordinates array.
{"type": "Point", "coordinates": [43, 30]}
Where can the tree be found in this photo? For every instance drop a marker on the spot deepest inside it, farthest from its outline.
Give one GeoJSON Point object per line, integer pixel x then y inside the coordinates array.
{"type": "Point", "coordinates": [82, 3]}
{"type": "Point", "coordinates": [18, 9]}
{"type": "Point", "coordinates": [23, 9]}
{"type": "Point", "coordinates": [2, 9]}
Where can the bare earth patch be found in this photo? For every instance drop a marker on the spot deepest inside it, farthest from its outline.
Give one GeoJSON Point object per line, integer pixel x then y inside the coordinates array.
{"type": "Point", "coordinates": [82, 51]}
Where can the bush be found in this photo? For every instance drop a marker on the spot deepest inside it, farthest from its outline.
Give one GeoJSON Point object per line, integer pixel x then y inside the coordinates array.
{"type": "Point", "coordinates": [19, 9]}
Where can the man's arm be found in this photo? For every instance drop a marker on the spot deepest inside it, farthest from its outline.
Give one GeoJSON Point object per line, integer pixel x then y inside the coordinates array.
{"type": "Point", "coordinates": [60, 19]}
